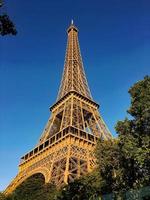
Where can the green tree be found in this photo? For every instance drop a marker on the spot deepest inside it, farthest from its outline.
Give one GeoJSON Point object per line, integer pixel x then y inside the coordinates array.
{"type": "Point", "coordinates": [123, 163]}
{"type": "Point", "coordinates": [94, 183]}
{"type": "Point", "coordinates": [76, 190]}
{"type": "Point", "coordinates": [2, 196]}
{"type": "Point", "coordinates": [84, 188]}
{"type": "Point", "coordinates": [6, 25]}
{"type": "Point", "coordinates": [109, 167]}
{"type": "Point", "coordinates": [134, 136]}
{"type": "Point", "coordinates": [50, 191]}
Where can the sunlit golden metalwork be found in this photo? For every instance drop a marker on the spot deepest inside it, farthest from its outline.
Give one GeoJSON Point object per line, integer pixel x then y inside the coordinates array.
{"type": "Point", "coordinates": [65, 149]}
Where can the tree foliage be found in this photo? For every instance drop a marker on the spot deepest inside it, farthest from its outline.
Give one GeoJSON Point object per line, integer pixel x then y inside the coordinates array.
{"type": "Point", "coordinates": [124, 162]}
{"type": "Point", "coordinates": [134, 136]}
{"type": "Point", "coordinates": [6, 25]}
{"type": "Point", "coordinates": [87, 187]}
{"type": "Point", "coordinates": [109, 167]}
{"type": "Point", "coordinates": [2, 196]}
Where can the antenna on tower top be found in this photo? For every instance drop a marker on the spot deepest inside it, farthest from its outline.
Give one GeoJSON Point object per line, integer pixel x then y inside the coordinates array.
{"type": "Point", "coordinates": [72, 21]}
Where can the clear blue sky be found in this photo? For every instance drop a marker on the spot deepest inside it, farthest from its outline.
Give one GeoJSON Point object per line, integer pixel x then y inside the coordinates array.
{"type": "Point", "coordinates": [115, 44]}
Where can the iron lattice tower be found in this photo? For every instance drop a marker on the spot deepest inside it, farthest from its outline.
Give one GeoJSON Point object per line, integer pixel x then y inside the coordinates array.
{"type": "Point", "coordinates": [65, 148]}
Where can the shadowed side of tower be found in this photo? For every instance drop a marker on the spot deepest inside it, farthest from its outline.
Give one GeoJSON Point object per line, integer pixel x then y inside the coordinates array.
{"type": "Point", "coordinates": [65, 148]}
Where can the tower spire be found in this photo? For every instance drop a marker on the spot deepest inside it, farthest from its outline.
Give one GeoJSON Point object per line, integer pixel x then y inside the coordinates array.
{"type": "Point", "coordinates": [73, 78]}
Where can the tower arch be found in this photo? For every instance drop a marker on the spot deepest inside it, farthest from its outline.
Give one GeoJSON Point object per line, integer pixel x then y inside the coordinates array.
{"type": "Point", "coordinates": [41, 170]}
{"type": "Point", "coordinates": [23, 176]}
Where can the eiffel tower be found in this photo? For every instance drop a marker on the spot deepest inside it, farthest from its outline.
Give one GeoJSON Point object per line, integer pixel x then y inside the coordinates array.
{"type": "Point", "coordinates": [65, 149]}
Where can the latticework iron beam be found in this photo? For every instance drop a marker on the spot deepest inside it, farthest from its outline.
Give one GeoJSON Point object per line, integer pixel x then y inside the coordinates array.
{"type": "Point", "coordinates": [65, 149]}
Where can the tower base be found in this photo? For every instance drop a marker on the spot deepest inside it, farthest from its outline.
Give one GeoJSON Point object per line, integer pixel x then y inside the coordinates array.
{"type": "Point", "coordinates": [61, 159]}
